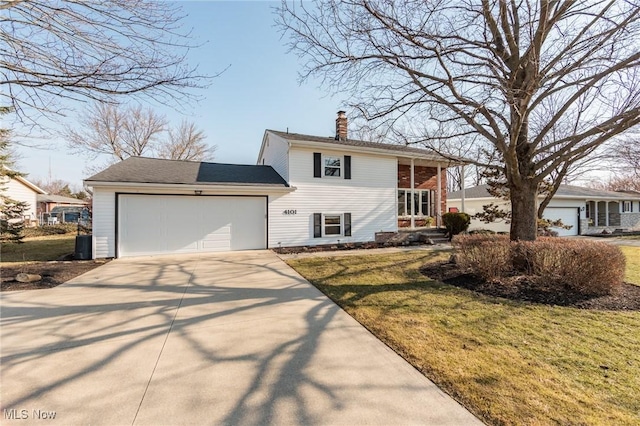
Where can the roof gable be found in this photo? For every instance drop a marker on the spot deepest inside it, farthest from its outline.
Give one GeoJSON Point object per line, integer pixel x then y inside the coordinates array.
{"type": "Point", "coordinates": [33, 187]}
{"type": "Point", "coordinates": [46, 198]}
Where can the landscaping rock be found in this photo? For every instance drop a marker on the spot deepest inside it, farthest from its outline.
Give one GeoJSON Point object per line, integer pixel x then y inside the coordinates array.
{"type": "Point", "coordinates": [28, 278]}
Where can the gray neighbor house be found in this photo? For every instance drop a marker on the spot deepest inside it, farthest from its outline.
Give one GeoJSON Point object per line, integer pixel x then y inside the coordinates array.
{"type": "Point", "coordinates": [586, 210]}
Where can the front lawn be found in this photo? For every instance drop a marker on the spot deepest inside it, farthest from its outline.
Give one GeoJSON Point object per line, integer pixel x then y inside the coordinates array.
{"type": "Point", "coordinates": [508, 362]}
{"type": "Point", "coordinates": [633, 264]}
{"type": "Point", "coordinates": [38, 249]}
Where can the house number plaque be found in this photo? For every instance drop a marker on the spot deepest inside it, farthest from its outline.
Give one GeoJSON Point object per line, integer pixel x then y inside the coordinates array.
{"type": "Point", "coordinates": [290, 212]}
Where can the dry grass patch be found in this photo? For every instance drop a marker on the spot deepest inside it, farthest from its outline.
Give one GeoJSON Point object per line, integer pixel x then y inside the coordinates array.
{"type": "Point", "coordinates": [508, 362]}
{"type": "Point", "coordinates": [38, 248]}
{"type": "Point", "coordinates": [633, 264]}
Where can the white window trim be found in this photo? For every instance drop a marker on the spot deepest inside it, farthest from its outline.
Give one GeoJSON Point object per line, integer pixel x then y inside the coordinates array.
{"type": "Point", "coordinates": [626, 204]}
{"type": "Point", "coordinates": [324, 166]}
{"type": "Point", "coordinates": [341, 216]}
{"type": "Point", "coordinates": [407, 195]}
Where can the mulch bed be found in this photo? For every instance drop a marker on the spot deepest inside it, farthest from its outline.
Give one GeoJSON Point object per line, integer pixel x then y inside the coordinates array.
{"type": "Point", "coordinates": [624, 298]}
{"type": "Point", "coordinates": [53, 273]}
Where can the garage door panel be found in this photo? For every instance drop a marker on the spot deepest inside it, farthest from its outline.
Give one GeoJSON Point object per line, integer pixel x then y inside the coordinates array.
{"type": "Point", "coordinates": [218, 240]}
{"type": "Point", "coordinates": [568, 215]}
{"type": "Point", "coordinates": [155, 224]}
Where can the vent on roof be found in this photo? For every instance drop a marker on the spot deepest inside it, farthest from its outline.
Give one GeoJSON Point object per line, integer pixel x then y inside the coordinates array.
{"type": "Point", "coordinates": [341, 126]}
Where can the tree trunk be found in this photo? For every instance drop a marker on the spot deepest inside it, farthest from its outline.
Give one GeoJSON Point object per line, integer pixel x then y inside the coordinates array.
{"type": "Point", "coordinates": [524, 214]}
{"type": "Point", "coordinates": [524, 224]}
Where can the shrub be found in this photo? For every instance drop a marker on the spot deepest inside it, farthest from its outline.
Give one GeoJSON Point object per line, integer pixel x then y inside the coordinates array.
{"type": "Point", "coordinates": [584, 267]}
{"type": "Point", "coordinates": [456, 223]}
{"type": "Point", "coordinates": [588, 268]}
{"type": "Point", "coordinates": [488, 256]}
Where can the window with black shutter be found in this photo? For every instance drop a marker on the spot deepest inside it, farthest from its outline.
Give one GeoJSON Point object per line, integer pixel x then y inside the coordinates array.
{"type": "Point", "coordinates": [347, 167]}
{"type": "Point", "coordinates": [347, 224]}
{"type": "Point", "coordinates": [317, 165]}
{"type": "Point", "coordinates": [317, 225]}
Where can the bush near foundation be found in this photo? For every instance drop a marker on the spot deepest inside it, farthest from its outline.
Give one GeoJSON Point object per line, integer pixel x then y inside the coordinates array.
{"type": "Point", "coordinates": [456, 223]}
{"type": "Point", "coordinates": [588, 268]}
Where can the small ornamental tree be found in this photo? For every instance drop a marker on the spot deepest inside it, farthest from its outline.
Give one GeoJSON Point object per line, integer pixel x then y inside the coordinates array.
{"type": "Point", "coordinates": [11, 211]}
{"type": "Point", "coordinates": [12, 223]}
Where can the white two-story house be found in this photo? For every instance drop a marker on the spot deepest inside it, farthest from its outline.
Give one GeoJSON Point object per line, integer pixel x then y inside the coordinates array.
{"type": "Point", "coordinates": [304, 191]}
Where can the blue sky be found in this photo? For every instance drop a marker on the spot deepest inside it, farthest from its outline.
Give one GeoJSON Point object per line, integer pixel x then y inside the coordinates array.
{"type": "Point", "coordinates": [259, 90]}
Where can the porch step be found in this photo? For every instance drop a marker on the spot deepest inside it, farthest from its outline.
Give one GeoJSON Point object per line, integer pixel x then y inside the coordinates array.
{"type": "Point", "coordinates": [414, 236]}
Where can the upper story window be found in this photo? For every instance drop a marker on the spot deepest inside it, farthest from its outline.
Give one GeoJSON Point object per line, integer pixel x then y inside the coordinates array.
{"type": "Point", "coordinates": [332, 166]}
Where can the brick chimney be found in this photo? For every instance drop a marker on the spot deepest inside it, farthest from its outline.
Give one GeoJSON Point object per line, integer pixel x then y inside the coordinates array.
{"type": "Point", "coordinates": [341, 126]}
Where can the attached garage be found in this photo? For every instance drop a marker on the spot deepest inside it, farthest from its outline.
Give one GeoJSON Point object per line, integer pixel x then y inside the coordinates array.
{"type": "Point", "coordinates": [148, 206]}
{"type": "Point", "coordinates": [160, 224]}
{"type": "Point", "coordinates": [570, 216]}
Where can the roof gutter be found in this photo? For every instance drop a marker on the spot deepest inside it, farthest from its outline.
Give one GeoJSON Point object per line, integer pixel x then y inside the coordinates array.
{"type": "Point", "coordinates": [227, 189]}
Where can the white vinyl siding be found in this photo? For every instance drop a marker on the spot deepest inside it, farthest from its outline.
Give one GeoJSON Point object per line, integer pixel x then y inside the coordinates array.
{"type": "Point", "coordinates": [275, 154]}
{"type": "Point", "coordinates": [103, 220]}
{"type": "Point", "coordinates": [20, 192]}
{"type": "Point", "coordinates": [370, 197]}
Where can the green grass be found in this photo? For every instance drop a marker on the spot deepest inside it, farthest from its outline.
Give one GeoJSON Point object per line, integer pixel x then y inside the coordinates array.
{"type": "Point", "coordinates": [38, 249]}
{"type": "Point", "coordinates": [633, 264]}
{"type": "Point", "coordinates": [508, 362]}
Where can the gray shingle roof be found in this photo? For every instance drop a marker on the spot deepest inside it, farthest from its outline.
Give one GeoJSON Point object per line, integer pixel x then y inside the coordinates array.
{"type": "Point", "coordinates": [400, 149]}
{"type": "Point", "coordinates": [154, 170]}
{"type": "Point", "coordinates": [47, 198]}
{"type": "Point", "coordinates": [563, 191]}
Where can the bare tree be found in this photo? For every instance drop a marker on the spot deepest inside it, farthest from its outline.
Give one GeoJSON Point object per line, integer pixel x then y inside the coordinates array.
{"type": "Point", "coordinates": [91, 50]}
{"type": "Point", "coordinates": [186, 142]}
{"type": "Point", "coordinates": [541, 83]}
{"type": "Point", "coordinates": [115, 133]}
{"type": "Point", "coordinates": [626, 152]}
{"type": "Point", "coordinates": [60, 187]}
{"type": "Point", "coordinates": [618, 183]}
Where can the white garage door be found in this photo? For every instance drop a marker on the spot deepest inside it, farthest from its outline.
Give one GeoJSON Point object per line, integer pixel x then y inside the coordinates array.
{"type": "Point", "coordinates": [568, 215]}
{"type": "Point", "coordinates": [157, 224]}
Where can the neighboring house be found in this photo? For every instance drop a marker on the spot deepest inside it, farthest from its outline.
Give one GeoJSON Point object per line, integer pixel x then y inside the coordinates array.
{"type": "Point", "coordinates": [305, 190]}
{"type": "Point", "coordinates": [46, 204]}
{"type": "Point", "coordinates": [20, 189]}
{"type": "Point", "coordinates": [586, 210]}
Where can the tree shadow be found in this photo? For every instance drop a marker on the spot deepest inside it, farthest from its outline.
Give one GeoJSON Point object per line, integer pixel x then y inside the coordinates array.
{"type": "Point", "coordinates": [112, 305]}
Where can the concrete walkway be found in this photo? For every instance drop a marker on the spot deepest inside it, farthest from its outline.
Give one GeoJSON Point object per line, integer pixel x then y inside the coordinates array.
{"type": "Point", "coordinates": [237, 338]}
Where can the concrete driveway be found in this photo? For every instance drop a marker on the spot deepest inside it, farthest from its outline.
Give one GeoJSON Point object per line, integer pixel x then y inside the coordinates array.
{"type": "Point", "coordinates": [236, 338]}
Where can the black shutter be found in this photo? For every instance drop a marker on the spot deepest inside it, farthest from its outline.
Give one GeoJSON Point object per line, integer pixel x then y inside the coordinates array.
{"type": "Point", "coordinates": [347, 224]}
{"type": "Point", "coordinates": [317, 225]}
{"type": "Point", "coordinates": [317, 165]}
{"type": "Point", "coordinates": [347, 167]}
